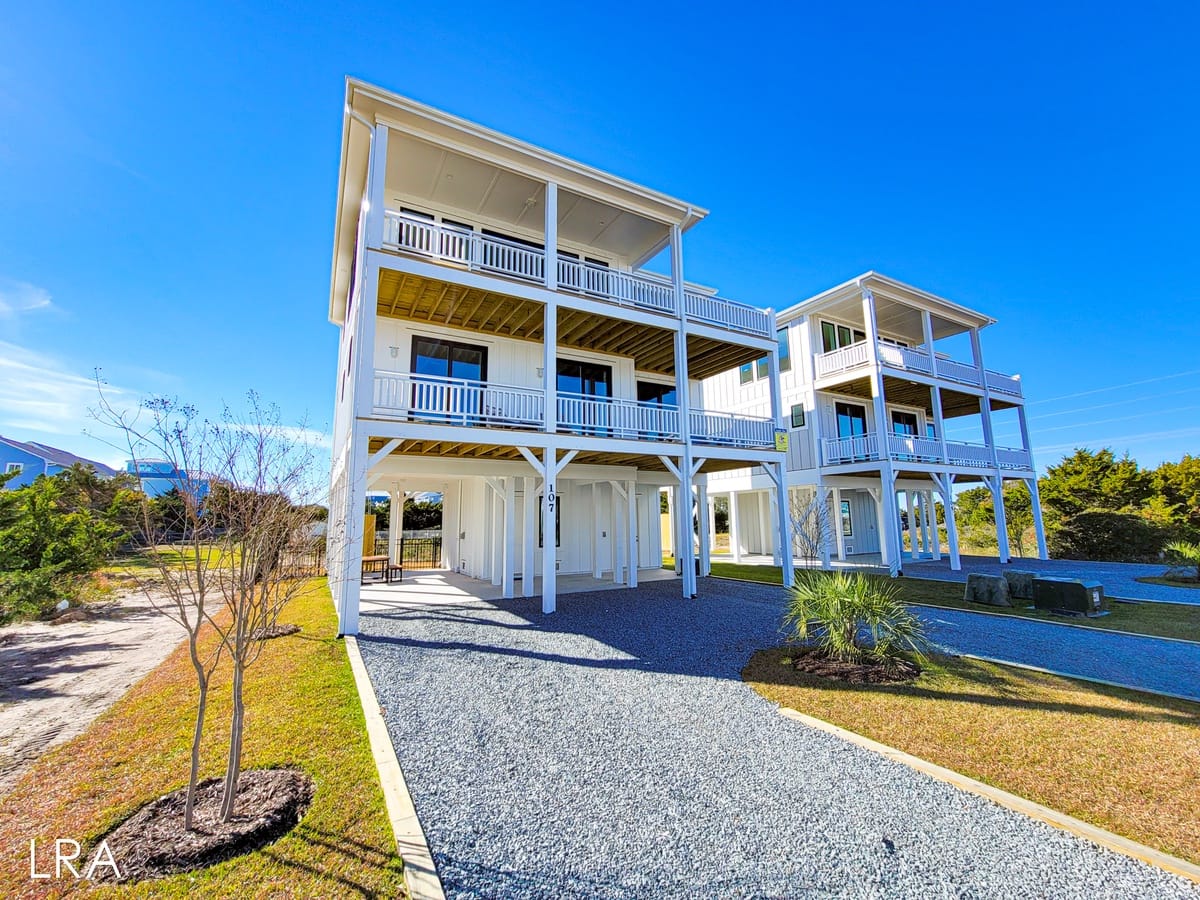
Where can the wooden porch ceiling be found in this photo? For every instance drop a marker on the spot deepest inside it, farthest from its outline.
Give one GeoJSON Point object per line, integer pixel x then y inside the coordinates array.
{"type": "Point", "coordinates": [457, 450]}
{"type": "Point", "coordinates": [907, 393]}
{"type": "Point", "coordinates": [429, 301]}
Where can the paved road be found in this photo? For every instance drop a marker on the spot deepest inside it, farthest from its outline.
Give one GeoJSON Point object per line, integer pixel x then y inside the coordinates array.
{"type": "Point", "coordinates": [611, 750]}
{"type": "Point", "coordinates": [1171, 667]}
{"type": "Point", "coordinates": [1119, 579]}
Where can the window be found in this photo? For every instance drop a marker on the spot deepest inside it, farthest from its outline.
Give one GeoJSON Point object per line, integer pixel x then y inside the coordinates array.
{"type": "Point", "coordinates": [798, 416]}
{"type": "Point", "coordinates": [437, 359]}
{"type": "Point", "coordinates": [847, 520]}
{"type": "Point", "coordinates": [651, 393]}
{"type": "Point", "coordinates": [904, 423]}
{"type": "Point", "coordinates": [579, 385]}
{"type": "Point", "coordinates": [746, 373]}
{"type": "Point", "coordinates": [785, 354]}
{"type": "Point", "coordinates": [828, 337]}
{"type": "Point", "coordinates": [9, 468]}
{"type": "Point", "coordinates": [589, 379]}
{"type": "Point", "coordinates": [851, 419]}
{"type": "Point", "coordinates": [834, 336]}
{"type": "Point", "coordinates": [761, 367]}
{"type": "Point", "coordinates": [930, 431]}
{"type": "Point", "coordinates": [557, 523]}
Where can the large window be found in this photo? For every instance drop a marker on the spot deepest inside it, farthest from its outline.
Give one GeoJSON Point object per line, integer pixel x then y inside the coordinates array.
{"type": "Point", "coordinates": [449, 359]}
{"type": "Point", "coordinates": [437, 359]}
{"type": "Point", "coordinates": [904, 423]}
{"type": "Point", "coordinates": [785, 353]}
{"type": "Point", "coordinates": [851, 420]}
{"type": "Point", "coordinates": [578, 380]}
{"type": "Point", "coordinates": [589, 379]}
{"type": "Point", "coordinates": [835, 336]}
{"type": "Point", "coordinates": [760, 368]}
{"type": "Point", "coordinates": [746, 373]}
{"type": "Point", "coordinates": [652, 393]}
{"type": "Point", "coordinates": [798, 415]}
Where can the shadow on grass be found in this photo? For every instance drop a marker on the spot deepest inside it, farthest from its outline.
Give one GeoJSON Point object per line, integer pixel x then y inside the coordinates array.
{"type": "Point", "coordinates": [765, 667]}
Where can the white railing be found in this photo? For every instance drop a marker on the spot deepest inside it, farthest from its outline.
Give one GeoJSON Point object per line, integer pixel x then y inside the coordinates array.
{"type": "Point", "coordinates": [619, 287]}
{"type": "Point", "coordinates": [843, 358]}
{"type": "Point", "coordinates": [456, 401]}
{"type": "Point", "coordinates": [1003, 384]}
{"type": "Point", "coordinates": [1013, 458]}
{"type": "Point", "coordinates": [726, 313]}
{"type": "Point", "coordinates": [967, 454]}
{"type": "Point", "coordinates": [859, 448]}
{"type": "Point", "coordinates": [729, 430]}
{"type": "Point", "coordinates": [449, 243]}
{"type": "Point", "coordinates": [911, 448]}
{"type": "Point", "coordinates": [906, 358]}
{"type": "Point", "coordinates": [961, 372]}
{"type": "Point", "coordinates": [609, 417]}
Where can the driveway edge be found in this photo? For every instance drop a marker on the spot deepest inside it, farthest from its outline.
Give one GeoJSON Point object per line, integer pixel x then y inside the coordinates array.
{"type": "Point", "coordinates": [419, 871]}
{"type": "Point", "coordinates": [1053, 817]}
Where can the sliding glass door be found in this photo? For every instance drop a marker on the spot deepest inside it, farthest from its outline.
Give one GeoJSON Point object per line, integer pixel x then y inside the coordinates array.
{"type": "Point", "coordinates": [437, 398]}
{"type": "Point", "coordinates": [584, 390]}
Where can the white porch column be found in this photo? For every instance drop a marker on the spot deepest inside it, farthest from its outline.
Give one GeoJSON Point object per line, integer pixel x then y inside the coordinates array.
{"type": "Point", "coordinates": [702, 514]}
{"type": "Point", "coordinates": [376, 193]}
{"type": "Point", "coordinates": [735, 539]}
{"type": "Point", "coordinates": [933, 523]}
{"type": "Point", "coordinates": [529, 536]}
{"type": "Point", "coordinates": [550, 365]}
{"type": "Point", "coordinates": [773, 516]}
{"type": "Point", "coordinates": [354, 510]}
{"type": "Point", "coordinates": [1035, 502]}
{"type": "Point", "coordinates": [945, 482]}
{"type": "Point", "coordinates": [597, 527]}
{"type": "Point", "coordinates": [396, 521]}
{"type": "Point", "coordinates": [839, 535]}
{"type": "Point", "coordinates": [632, 533]}
{"type": "Point", "coordinates": [926, 546]}
{"type": "Point", "coordinates": [927, 331]}
{"type": "Point", "coordinates": [996, 483]}
{"type": "Point", "coordinates": [673, 531]}
{"type": "Point", "coordinates": [551, 243]}
{"type": "Point", "coordinates": [510, 535]}
{"type": "Point", "coordinates": [912, 524]}
{"type": "Point", "coordinates": [685, 552]}
{"type": "Point", "coordinates": [549, 550]}
{"type": "Point", "coordinates": [712, 522]}
{"type": "Point", "coordinates": [497, 545]}
{"type": "Point", "coordinates": [614, 542]}
{"type": "Point", "coordinates": [939, 421]}
{"type": "Point", "coordinates": [785, 553]}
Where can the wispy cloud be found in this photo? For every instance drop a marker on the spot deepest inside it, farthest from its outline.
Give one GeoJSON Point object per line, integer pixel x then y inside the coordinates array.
{"type": "Point", "coordinates": [41, 393]}
{"type": "Point", "coordinates": [20, 297]}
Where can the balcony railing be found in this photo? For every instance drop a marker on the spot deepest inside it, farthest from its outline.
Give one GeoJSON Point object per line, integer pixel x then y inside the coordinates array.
{"type": "Point", "coordinates": [480, 252]}
{"type": "Point", "coordinates": [723, 429]}
{"type": "Point", "coordinates": [456, 401]}
{"type": "Point", "coordinates": [435, 400]}
{"type": "Point", "coordinates": [910, 359]}
{"type": "Point", "coordinates": [909, 448]}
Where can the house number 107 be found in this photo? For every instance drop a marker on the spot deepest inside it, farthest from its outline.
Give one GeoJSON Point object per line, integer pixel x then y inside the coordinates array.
{"type": "Point", "coordinates": [550, 498]}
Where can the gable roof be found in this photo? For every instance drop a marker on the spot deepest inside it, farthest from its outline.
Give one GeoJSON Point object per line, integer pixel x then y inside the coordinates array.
{"type": "Point", "coordinates": [57, 457]}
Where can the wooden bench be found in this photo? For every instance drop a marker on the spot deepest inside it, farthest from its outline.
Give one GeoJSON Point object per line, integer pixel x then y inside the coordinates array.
{"type": "Point", "coordinates": [395, 570]}
{"type": "Point", "coordinates": [376, 567]}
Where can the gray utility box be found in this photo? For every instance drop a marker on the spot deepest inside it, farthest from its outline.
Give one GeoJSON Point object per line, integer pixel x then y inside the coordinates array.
{"type": "Point", "coordinates": [1069, 595]}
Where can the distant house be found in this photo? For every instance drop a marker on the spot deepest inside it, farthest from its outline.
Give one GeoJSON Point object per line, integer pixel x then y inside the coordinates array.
{"type": "Point", "coordinates": [160, 476]}
{"type": "Point", "coordinates": [29, 459]}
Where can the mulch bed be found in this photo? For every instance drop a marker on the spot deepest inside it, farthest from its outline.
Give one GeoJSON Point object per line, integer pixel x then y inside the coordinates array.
{"type": "Point", "coordinates": [274, 631]}
{"type": "Point", "coordinates": [153, 842]}
{"type": "Point", "coordinates": [815, 662]}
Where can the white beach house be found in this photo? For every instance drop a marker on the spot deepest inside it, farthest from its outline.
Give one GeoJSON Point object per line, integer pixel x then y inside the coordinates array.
{"type": "Point", "coordinates": [500, 344]}
{"type": "Point", "coordinates": [879, 381]}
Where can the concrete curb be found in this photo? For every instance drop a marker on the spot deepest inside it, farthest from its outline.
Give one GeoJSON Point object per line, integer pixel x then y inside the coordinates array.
{"type": "Point", "coordinates": [419, 870]}
{"type": "Point", "coordinates": [1070, 824]}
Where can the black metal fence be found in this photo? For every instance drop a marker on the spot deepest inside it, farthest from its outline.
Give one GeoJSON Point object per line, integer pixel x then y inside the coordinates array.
{"type": "Point", "coordinates": [421, 551]}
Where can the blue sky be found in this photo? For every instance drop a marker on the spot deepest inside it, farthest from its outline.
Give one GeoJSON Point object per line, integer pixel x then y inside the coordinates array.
{"type": "Point", "coordinates": [167, 180]}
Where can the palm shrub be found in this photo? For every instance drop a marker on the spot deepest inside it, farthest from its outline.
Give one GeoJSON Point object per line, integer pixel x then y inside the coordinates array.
{"type": "Point", "coordinates": [852, 617]}
{"type": "Point", "coordinates": [1185, 553]}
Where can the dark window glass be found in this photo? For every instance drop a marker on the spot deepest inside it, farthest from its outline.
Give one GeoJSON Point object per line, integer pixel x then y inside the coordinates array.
{"type": "Point", "coordinates": [847, 521]}
{"type": "Point", "coordinates": [798, 416]}
{"type": "Point", "coordinates": [746, 373]}
{"type": "Point", "coordinates": [828, 337]}
{"type": "Point", "coordinates": [533, 245]}
{"type": "Point", "coordinates": [785, 355]}
{"type": "Point", "coordinates": [851, 420]}
{"type": "Point", "coordinates": [589, 379]}
{"type": "Point", "coordinates": [930, 430]}
{"type": "Point", "coordinates": [762, 367]}
{"type": "Point", "coordinates": [843, 336]}
{"type": "Point", "coordinates": [438, 359]}
{"type": "Point", "coordinates": [655, 394]}
{"type": "Point", "coordinates": [859, 337]}
{"type": "Point", "coordinates": [904, 422]}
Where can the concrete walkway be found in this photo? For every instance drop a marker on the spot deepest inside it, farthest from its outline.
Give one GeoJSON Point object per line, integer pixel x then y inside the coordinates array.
{"type": "Point", "coordinates": [1153, 664]}
{"type": "Point", "coordinates": [1118, 578]}
{"type": "Point", "coordinates": [611, 750]}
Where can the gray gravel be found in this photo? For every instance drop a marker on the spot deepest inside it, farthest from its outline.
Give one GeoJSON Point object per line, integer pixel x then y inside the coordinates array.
{"type": "Point", "coordinates": [1152, 664]}
{"type": "Point", "coordinates": [610, 750]}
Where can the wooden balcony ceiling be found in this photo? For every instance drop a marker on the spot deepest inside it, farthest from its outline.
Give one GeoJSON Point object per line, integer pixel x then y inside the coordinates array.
{"type": "Point", "coordinates": [427, 300]}
{"type": "Point", "coordinates": [907, 393]}
{"type": "Point", "coordinates": [456, 450]}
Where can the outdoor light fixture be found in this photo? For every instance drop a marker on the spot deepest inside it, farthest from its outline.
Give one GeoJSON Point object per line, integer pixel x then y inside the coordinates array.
{"type": "Point", "coordinates": [541, 371]}
{"type": "Point", "coordinates": [395, 351]}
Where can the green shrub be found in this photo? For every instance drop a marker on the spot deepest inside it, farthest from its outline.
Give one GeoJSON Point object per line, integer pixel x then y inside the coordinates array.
{"type": "Point", "coordinates": [1186, 556]}
{"type": "Point", "coordinates": [28, 594]}
{"type": "Point", "coordinates": [1107, 536]}
{"type": "Point", "coordinates": [852, 617]}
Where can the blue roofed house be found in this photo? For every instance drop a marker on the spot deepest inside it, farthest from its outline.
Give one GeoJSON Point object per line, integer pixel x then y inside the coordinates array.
{"type": "Point", "coordinates": [160, 476]}
{"type": "Point", "coordinates": [29, 459]}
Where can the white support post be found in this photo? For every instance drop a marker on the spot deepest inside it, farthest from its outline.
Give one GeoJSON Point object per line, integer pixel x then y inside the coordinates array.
{"type": "Point", "coordinates": [912, 524]}
{"type": "Point", "coordinates": [529, 537]}
{"type": "Point", "coordinates": [549, 550]}
{"type": "Point", "coordinates": [772, 511]}
{"type": "Point", "coordinates": [673, 531]}
{"type": "Point", "coordinates": [550, 367]}
{"type": "Point", "coordinates": [996, 483]}
{"type": "Point", "coordinates": [614, 542]}
{"type": "Point", "coordinates": [926, 545]}
{"type": "Point", "coordinates": [396, 522]}
{"type": "Point", "coordinates": [376, 192]}
{"type": "Point", "coordinates": [735, 538]}
{"type": "Point", "coordinates": [551, 242]}
{"type": "Point", "coordinates": [927, 330]}
{"type": "Point", "coordinates": [939, 421]}
{"type": "Point", "coordinates": [497, 534]}
{"type": "Point", "coordinates": [510, 535]}
{"type": "Point", "coordinates": [355, 511]}
{"type": "Point", "coordinates": [839, 535]}
{"type": "Point", "coordinates": [597, 526]}
{"type": "Point", "coordinates": [786, 554]}
{"type": "Point", "coordinates": [1035, 503]}
{"type": "Point", "coordinates": [632, 533]}
{"type": "Point", "coordinates": [685, 551]}
{"type": "Point", "coordinates": [933, 523]}
{"type": "Point", "coordinates": [945, 483]}
{"type": "Point", "coordinates": [702, 513]}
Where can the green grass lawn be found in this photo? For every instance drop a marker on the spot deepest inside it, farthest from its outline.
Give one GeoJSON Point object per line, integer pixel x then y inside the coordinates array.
{"type": "Point", "coordinates": [302, 709]}
{"type": "Point", "coordinates": [1125, 761]}
{"type": "Point", "coordinates": [1174, 620]}
{"type": "Point", "coordinates": [1169, 582]}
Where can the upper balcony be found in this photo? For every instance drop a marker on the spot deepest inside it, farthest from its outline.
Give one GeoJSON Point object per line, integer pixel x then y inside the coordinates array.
{"type": "Point", "coordinates": [434, 400]}
{"type": "Point", "coordinates": [464, 247]}
{"type": "Point", "coordinates": [904, 448]}
{"type": "Point", "coordinates": [898, 359]}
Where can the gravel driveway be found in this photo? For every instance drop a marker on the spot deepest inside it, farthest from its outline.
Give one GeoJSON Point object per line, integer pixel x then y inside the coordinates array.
{"type": "Point", "coordinates": [610, 750]}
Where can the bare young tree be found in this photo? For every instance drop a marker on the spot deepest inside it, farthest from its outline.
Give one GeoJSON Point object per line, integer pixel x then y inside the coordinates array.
{"type": "Point", "coordinates": [262, 497]}
{"type": "Point", "coordinates": [170, 437]}
{"type": "Point", "coordinates": [811, 525]}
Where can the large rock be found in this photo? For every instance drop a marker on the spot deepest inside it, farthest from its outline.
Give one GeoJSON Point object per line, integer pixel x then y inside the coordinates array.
{"type": "Point", "coordinates": [1020, 584]}
{"type": "Point", "coordinates": [988, 590]}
